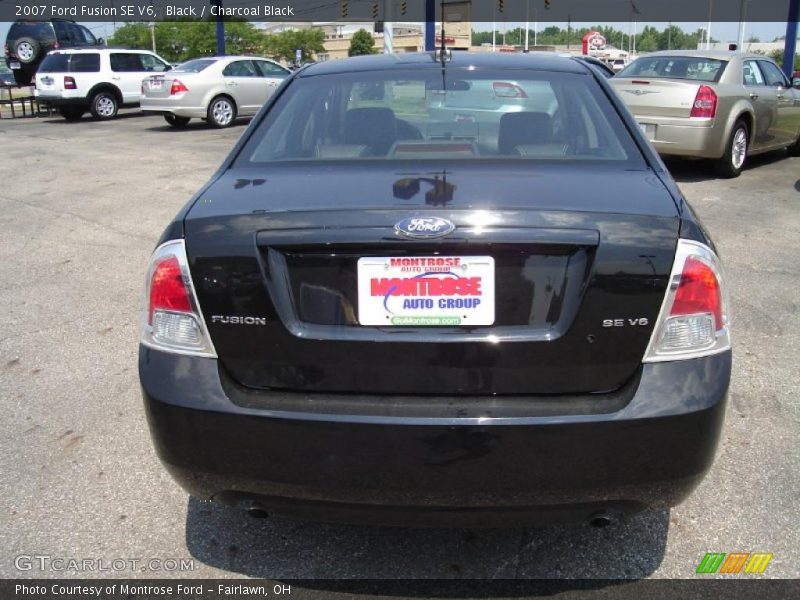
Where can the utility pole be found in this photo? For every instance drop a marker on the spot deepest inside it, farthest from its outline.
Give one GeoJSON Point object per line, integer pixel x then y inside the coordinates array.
{"type": "Point", "coordinates": [494, 25]}
{"type": "Point", "coordinates": [742, 12]}
{"type": "Point", "coordinates": [527, 21]}
{"type": "Point", "coordinates": [430, 25]}
{"type": "Point", "coordinates": [791, 37]}
{"type": "Point", "coordinates": [388, 34]}
{"type": "Point", "coordinates": [708, 36]}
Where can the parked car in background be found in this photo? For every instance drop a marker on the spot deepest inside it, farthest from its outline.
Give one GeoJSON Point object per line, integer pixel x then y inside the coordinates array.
{"type": "Point", "coordinates": [357, 320]}
{"type": "Point", "coordinates": [216, 89]}
{"type": "Point", "coordinates": [723, 106]}
{"type": "Point", "coordinates": [617, 64]}
{"type": "Point", "coordinates": [97, 80]}
{"type": "Point", "coordinates": [28, 42]}
{"type": "Point", "coordinates": [6, 76]}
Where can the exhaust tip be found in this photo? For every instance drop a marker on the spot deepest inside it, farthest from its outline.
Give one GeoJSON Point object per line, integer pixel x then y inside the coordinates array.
{"type": "Point", "coordinates": [600, 520]}
{"type": "Point", "coordinates": [257, 513]}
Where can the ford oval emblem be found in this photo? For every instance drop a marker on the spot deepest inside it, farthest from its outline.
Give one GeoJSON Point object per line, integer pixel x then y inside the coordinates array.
{"type": "Point", "coordinates": [424, 227]}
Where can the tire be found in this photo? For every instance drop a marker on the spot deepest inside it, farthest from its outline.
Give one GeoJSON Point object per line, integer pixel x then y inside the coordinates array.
{"type": "Point", "coordinates": [27, 50]}
{"type": "Point", "coordinates": [732, 162]}
{"type": "Point", "coordinates": [221, 112]}
{"type": "Point", "coordinates": [104, 105]}
{"type": "Point", "coordinates": [22, 77]}
{"type": "Point", "coordinates": [177, 122]}
{"type": "Point", "coordinates": [71, 113]}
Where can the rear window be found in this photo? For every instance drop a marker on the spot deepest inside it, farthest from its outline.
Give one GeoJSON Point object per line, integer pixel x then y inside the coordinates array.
{"type": "Point", "coordinates": [36, 29]}
{"type": "Point", "coordinates": [55, 63]}
{"type": "Point", "coordinates": [467, 114]}
{"type": "Point", "coordinates": [84, 62]}
{"type": "Point", "coordinates": [194, 66]}
{"type": "Point", "coordinates": [676, 67]}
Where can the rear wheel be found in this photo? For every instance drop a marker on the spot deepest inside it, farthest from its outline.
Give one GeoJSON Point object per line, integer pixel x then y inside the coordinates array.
{"type": "Point", "coordinates": [71, 113]}
{"type": "Point", "coordinates": [22, 77]}
{"type": "Point", "coordinates": [104, 105]}
{"type": "Point", "coordinates": [731, 163]}
{"type": "Point", "coordinates": [176, 121]}
{"type": "Point", "coordinates": [221, 112]}
{"type": "Point", "coordinates": [26, 49]}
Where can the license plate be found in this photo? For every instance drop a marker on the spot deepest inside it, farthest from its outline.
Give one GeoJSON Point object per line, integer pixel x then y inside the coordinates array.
{"type": "Point", "coordinates": [156, 84]}
{"type": "Point", "coordinates": [426, 291]}
{"type": "Point", "coordinates": [48, 80]}
{"type": "Point", "coordinates": [15, 65]}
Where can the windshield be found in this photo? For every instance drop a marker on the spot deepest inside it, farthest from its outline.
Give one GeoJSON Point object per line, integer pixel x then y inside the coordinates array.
{"type": "Point", "coordinates": [470, 114]}
{"type": "Point", "coordinates": [194, 66]}
{"type": "Point", "coordinates": [676, 67]}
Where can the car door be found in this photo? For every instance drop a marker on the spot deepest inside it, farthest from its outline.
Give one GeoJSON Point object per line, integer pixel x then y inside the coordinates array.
{"type": "Point", "coordinates": [765, 105]}
{"type": "Point", "coordinates": [785, 125]}
{"type": "Point", "coordinates": [127, 73]}
{"type": "Point", "coordinates": [273, 74]}
{"type": "Point", "coordinates": [245, 85]}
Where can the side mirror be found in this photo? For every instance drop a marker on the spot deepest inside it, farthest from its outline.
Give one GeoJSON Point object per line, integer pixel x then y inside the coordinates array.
{"type": "Point", "coordinates": [101, 41]}
{"type": "Point", "coordinates": [796, 83]}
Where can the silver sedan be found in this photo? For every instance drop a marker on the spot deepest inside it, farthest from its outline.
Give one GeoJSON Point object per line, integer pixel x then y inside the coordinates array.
{"type": "Point", "coordinates": [217, 89]}
{"type": "Point", "coordinates": [725, 106]}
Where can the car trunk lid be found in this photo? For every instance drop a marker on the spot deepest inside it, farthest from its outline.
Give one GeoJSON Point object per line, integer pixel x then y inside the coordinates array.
{"type": "Point", "coordinates": [658, 97]}
{"type": "Point", "coordinates": [276, 268]}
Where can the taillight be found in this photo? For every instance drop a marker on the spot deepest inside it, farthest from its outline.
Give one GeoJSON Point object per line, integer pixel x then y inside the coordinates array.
{"type": "Point", "coordinates": [7, 49]}
{"type": "Point", "coordinates": [69, 83]}
{"type": "Point", "coordinates": [177, 87]}
{"type": "Point", "coordinates": [506, 89]}
{"type": "Point", "coordinates": [694, 319]}
{"type": "Point", "coordinates": [172, 321]}
{"type": "Point", "coordinates": [705, 103]}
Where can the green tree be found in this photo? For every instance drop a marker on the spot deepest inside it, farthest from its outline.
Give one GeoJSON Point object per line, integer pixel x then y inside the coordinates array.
{"type": "Point", "coordinates": [132, 35]}
{"type": "Point", "coordinates": [181, 40]}
{"type": "Point", "coordinates": [285, 44]}
{"type": "Point", "coordinates": [361, 43]}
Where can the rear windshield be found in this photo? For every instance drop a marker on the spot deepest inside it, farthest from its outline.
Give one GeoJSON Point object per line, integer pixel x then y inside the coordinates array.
{"type": "Point", "coordinates": [676, 67]}
{"type": "Point", "coordinates": [36, 29]}
{"type": "Point", "coordinates": [465, 114]}
{"type": "Point", "coordinates": [194, 66]}
{"type": "Point", "coordinates": [84, 62]}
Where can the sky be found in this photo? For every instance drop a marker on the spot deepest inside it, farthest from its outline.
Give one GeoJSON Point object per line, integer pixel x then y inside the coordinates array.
{"type": "Point", "coordinates": [724, 32]}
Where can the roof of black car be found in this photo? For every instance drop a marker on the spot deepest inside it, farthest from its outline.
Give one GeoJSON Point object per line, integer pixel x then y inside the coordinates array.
{"type": "Point", "coordinates": [425, 60]}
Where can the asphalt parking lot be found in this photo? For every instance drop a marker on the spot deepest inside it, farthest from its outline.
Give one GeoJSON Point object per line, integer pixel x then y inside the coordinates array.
{"type": "Point", "coordinates": [82, 205]}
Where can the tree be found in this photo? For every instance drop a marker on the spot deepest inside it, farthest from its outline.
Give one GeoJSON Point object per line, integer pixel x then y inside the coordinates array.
{"type": "Point", "coordinates": [181, 40]}
{"type": "Point", "coordinates": [361, 43]}
{"type": "Point", "coordinates": [285, 44]}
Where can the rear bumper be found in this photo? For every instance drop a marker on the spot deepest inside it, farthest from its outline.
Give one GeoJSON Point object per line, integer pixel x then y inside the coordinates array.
{"type": "Point", "coordinates": [445, 470]}
{"type": "Point", "coordinates": [62, 101]}
{"type": "Point", "coordinates": [700, 138]}
{"type": "Point", "coordinates": [164, 106]}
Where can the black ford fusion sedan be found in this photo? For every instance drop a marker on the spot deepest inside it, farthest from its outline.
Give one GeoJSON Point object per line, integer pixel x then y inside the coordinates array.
{"type": "Point", "coordinates": [461, 292]}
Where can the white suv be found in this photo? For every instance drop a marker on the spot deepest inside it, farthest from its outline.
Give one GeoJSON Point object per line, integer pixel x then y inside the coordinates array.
{"type": "Point", "coordinates": [100, 80]}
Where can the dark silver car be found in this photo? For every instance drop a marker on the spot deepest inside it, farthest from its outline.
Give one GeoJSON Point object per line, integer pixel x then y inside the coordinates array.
{"type": "Point", "coordinates": [724, 106]}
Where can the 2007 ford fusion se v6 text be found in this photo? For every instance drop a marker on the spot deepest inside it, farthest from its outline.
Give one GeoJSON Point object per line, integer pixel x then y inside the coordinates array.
{"type": "Point", "coordinates": [431, 289]}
